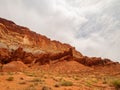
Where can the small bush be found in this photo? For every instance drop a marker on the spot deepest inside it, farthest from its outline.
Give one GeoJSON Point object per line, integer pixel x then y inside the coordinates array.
{"type": "Point", "coordinates": [88, 84]}
{"type": "Point", "coordinates": [31, 74]}
{"type": "Point", "coordinates": [10, 79]}
{"type": "Point", "coordinates": [66, 83]}
{"type": "Point", "coordinates": [31, 87]}
{"type": "Point", "coordinates": [76, 78]}
{"type": "Point", "coordinates": [36, 80]}
{"type": "Point", "coordinates": [116, 83]}
{"type": "Point", "coordinates": [46, 88]}
{"type": "Point", "coordinates": [57, 85]}
{"type": "Point", "coordinates": [22, 82]}
{"type": "Point", "coordinates": [36, 83]}
{"type": "Point", "coordinates": [10, 73]}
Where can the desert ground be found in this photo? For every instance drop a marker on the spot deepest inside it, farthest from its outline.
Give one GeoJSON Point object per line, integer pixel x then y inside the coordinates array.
{"type": "Point", "coordinates": [47, 77]}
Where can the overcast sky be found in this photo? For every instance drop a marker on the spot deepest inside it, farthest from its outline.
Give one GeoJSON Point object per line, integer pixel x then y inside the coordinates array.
{"type": "Point", "coordinates": [92, 26]}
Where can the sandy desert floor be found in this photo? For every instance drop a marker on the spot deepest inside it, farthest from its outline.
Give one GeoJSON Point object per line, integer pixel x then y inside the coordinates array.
{"type": "Point", "coordinates": [45, 80]}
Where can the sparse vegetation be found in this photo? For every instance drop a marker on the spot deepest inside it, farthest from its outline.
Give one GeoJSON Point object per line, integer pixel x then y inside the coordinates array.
{"type": "Point", "coordinates": [31, 74]}
{"type": "Point", "coordinates": [46, 88]}
{"type": "Point", "coordinates": [31, 87]}
{"type": "Point", "coordinates": [116, 84]}
{"type": "Point", "coordinates": [76, 78]}
{"type": "Point", "coordinates": [94, 80]}
{"type": "Point", "coordinates": [104, 81]}
{"type": "Point", "coordinates": [36, 80]}
{"type": "Point", "coordinates": [57, 79]}
{"type": "Point", "coordinates": [10, 73]}
{"type": "Point", "coordinates": [22, 82]}
{"type": "Point", "coordinates": [88, 84]}
{"type": "Point", "coordinates": [66, 83]}
{"type": "Point", "coordinates": [36, 83]}
{"type": "Point", "coordinates": [10, 79]}
{"type": "Point", "coordinates": [57, 85]}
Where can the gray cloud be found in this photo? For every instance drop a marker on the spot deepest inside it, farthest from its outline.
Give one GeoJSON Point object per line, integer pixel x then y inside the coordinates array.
{"type": "Point", "coordinates": [93, 27]}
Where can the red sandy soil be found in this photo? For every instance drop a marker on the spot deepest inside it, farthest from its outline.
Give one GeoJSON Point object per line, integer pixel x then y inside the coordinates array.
{"type": "Point", "coordinates": [51, 76]}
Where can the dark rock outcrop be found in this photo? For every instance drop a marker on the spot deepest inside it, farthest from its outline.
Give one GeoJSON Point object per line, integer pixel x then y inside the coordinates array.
{"type": "Point", "coordinates": [19, 54]}
{"type": "Point", "coordinates": [4, 55]}
{"type": "Point", "coordinates": [93, 61]}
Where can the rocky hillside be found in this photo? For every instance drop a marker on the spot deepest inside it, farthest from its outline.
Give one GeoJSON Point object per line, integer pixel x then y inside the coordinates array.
{"type": "Point", "coordinates": [13, 36]}
{"type": "Point", "coordinates": [18, 43]}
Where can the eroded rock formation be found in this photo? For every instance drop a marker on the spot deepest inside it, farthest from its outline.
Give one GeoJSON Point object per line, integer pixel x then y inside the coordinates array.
{"type": "Point", "coordinates": [15, 36]}
{"type": "Point", "coordinates": [93, 61]}
{"type": "Point", "coordinates": [19, 46]}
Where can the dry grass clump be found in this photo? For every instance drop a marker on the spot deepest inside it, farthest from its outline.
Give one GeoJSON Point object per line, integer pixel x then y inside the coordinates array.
{"type": "Point", "coordinates": [116, 84]}
{"type": "Point", "coordinates": [10, 79]}
{"type": "Point", "coordinates": [66, 83]}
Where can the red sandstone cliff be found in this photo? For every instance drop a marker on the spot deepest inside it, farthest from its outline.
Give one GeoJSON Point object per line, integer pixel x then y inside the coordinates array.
{"type": "Point", "coordinates": [13, 36]}
{"type": "Point", "coordinates": [18, 43]}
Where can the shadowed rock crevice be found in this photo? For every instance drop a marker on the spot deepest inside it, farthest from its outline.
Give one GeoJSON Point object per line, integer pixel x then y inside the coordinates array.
{"type": "Point", "coordinates": [19, 54]}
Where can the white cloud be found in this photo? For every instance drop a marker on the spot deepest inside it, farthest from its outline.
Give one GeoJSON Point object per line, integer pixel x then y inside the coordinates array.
{"type": "Point", "coordinates": [93, 27]}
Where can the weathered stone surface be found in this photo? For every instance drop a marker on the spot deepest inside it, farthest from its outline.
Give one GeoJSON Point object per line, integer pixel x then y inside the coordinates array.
{"type": "Point", "coordinates": [14, 66]}
{"type": "Point", "coordinates": [91, 61]}
{"type": "Point", "coordinates": [4, 55]}
{"type": "Point", "coordinates": [12, 34]}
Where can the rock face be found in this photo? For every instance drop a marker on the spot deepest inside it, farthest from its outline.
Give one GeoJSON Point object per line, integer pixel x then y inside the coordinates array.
{"type": "Point", "coordinates": [14, 36]}
{"type": "Point", "coordinates": [4, 55]}
{"type": "Point", "coordinates": [94, 61]}
{"type": "Point", "coordinates": [14, 66]}
{"type": "Point", "coordinates": [20, 46]}
{"type": "Point", "coordinates": [28, 58]}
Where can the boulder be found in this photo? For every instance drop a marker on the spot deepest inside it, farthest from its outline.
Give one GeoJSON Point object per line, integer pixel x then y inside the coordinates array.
{"type": "Point", "coordinates": [14, 66]}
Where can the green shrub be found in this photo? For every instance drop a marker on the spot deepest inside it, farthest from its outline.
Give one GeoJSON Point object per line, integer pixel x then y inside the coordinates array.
{"type": "Point", "coordinates": [10, 79]}
{"type": "Point", "coordinates": [31, 87]}
{"type": "Point", "coordinates": [22, 82]}
{"type": "Point", "coordinates": [36, 80]}
{"type": "Point", "coordinates": [66, 83]}
{"type": "Point", "coordinates": [88, 84]}
{"type": "Point", "coordinates": [116, 83]}
{"type": "Point", "coordinates": [46, 88]}
{"type": "Point", "coordinates": [57, 85]}
{"type": "Point", "coordinates": [10, 73]}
